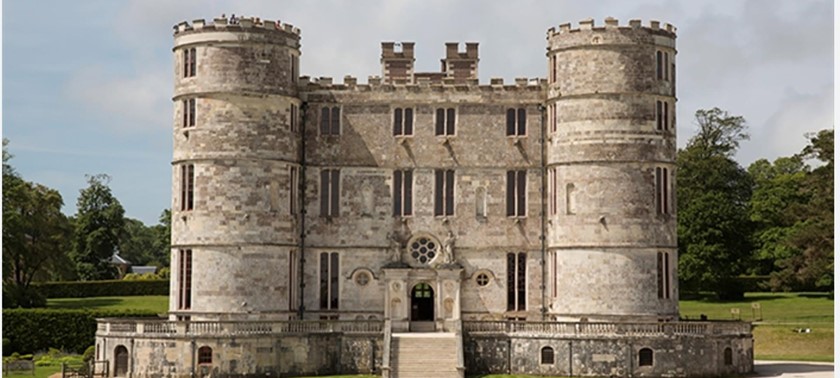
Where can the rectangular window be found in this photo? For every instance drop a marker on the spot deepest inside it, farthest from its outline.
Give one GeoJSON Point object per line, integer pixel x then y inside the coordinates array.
{"type": "Point", "coordinates": [554, 68]}
{"type": "Point", "coordinates": [403, 121]}
{"type": "Point", "coordinates": [516, 188]}
{"type": "Point", "coordinates": [329, 192]}
{"type": "Point", "coordinates": [663, 275]}
{"type": "Point", "coordinates": [658, 115]}
{"type": "Point", "coordinates": [403, 183]}
{"type": "Point", "coordinates": [330, 120]}
{"type": "Point", "coordinates": [445, 121]}
{"type": "Point", "coordinates": [662, 181]}
{"type": "Point", "coordinates": [187, 186]}
{"type": "Point", "coordinates": [516, 119]}
{"type": "Point", "coordinates": [516, 281]}
{"type": "Point", "coordinates": [552, 191]}
{"type": "Point", "coordinates": [184, 279]}
{"type": "Point", "coordinates": [329, 280]}
{"type": "Point", "coordinates": [293, 118]}
{"type": "Point", "coordinates": [293, 280]}
{"type": "Point", "coordinates": [659, 67]}
{"type": "Point", "coordinates": [665, 123]}
{"type": "Point", "coordinates": [665, 66]}
{"type": "Point", "coordinates": [188, 112]}
{"type": "Point", "coordinates": [293, 63]}
{"type": "Point", "coordinates": [444, 192]}
{"type": "Point", "coordinates": [552, 113]}
{"type": "Point", "coordinates": [294, 182]}
{"type": "Point", "coordinates": [189, 62]}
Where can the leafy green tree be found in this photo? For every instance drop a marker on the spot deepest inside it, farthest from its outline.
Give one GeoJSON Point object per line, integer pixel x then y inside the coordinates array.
{"type": "Point", "coordinates": [778, 188]}
{"type": "Point", "coordinates": [713, 192]}
{"type": "Point", "coordinates": [163, 243]}
{"type": "Point", "coordinates": [811, 238]}
{"type": "Point", "coordinates": [99, 229]}
{"type": "Point", "coordinates": [35, 235]}
{"type": "Point", "coordinates": [138, 244]}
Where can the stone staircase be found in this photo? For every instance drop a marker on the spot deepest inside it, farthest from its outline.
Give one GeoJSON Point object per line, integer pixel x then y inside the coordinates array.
{"type": "Point", "coordinates": [425, 355]}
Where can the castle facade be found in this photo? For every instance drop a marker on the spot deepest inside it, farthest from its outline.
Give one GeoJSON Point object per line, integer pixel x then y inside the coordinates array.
{"type": "Point", "coordinates": [423, 202]}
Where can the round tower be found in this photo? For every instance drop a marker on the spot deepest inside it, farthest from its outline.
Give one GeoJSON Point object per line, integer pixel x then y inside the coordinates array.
{"type": "Point", "coordinates": [611, 156]}
{"type": "Point", "coordinates": [236, 165]}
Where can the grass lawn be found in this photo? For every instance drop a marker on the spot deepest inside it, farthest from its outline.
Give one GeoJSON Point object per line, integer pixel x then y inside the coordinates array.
{"type": "Point", "coordinates": [775, 323]}
{"type": "Point", "coordinates": [775, 339]}
{"type": "Point", "coordinates": [157, 303]}
{"type": "Point", "coordinates": [40, 372]}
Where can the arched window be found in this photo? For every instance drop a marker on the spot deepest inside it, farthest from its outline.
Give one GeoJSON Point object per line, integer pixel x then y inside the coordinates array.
{"type": "Point", "coordinates": [646, 357]}
{"type": "Point", "coordinates": [547, 355]}
{"type": "Point", "coordinates": [205, 355]}
{"type": "Point", "coordinates": [727, 356]}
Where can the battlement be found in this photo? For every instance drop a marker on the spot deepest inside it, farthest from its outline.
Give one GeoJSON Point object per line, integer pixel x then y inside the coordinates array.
{"type": "Point", "coordinates": [452, 51]}
{"type": "Point", "coordinates": [375, 83]}
{"type": "Point", "coordinates": [406, 52]}
{"type": "Point", "coordinates": [239, 23]}
{"type": "Point", "coordinates": [612, 24]}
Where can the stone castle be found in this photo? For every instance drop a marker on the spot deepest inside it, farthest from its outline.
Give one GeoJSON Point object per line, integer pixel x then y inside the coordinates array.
{"type": "Point", "coordinates": [323, 227]}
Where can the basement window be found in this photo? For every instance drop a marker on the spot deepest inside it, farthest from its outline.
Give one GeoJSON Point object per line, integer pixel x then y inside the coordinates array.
{"type": "Point", "coordinates": [205, 355]}
{"type": "Point", "coordinates": [646, 357]}
{"type": "Point", "coordinates": [547, 355]}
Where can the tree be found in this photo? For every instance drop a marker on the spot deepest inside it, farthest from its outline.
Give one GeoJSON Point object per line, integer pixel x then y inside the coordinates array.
{"type": "Point", "coordinates": [99, 228]}
{"type": "Point", "coordinates": [163, 243]}
{"type": "Point", "coordinates": [713, 192]}
{"type": "Point", "coordinates": [810, 265]}
{"type": "Point", "coordinates": [35, 235]}
{"type": "Point", "coordinates": [778, 187]}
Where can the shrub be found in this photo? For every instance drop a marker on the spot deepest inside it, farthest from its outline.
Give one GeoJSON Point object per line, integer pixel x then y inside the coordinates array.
{"type": "Point", "coordinates": [16, 296]}
{"type": "Point", "coordinates": [107, 288]}
{"type": "Point", "coordinates": [30, 330]}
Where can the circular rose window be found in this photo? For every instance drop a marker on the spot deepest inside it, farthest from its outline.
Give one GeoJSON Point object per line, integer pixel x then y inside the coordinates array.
{"type": "Point", "coordinates": [423, 249]}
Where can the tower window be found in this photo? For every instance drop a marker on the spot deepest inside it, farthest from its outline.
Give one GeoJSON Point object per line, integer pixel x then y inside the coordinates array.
{"type": "Point", "coordinates": [659, 65]}
{"type": "Point", "coordinates": [205, 355]}
{"type": "Point", "coordinates": [188, 112]}
{"type": "Point", "coordinates": [444, 192]}
{"type": "Point", "coordinates": [184, 279]}
{"type": "Point", "coordinates": [293, 280]}
{"type": "Point", "coordinates": [329, 192]}
{"type": "Point", "coordinates": [516, 202]}
{"type": "Point", "coordinates": [189, 62]}
{"type": "Point", "coordinates": [662, 119]}
{"type": "Point", "coordinates": [552, 191]}
{"type": "Point", "coordinates": [727, 356]}
{"type": "Point", "coordinates": [445, 121]}
{"type": "Point", "coordinates": [516, 281]}
{"type": "Point", "coordinates": [403, 121]}
{"type": "Point", "coordinates": [403, 182]}
{"type": "Point", "coordinates": [547, 355]}
{"type": "Point", "coordinates": [516, 119]}
{"type": "Point", "coordinates": [294, 182]}
{"type": "Point", "coordinates": [330, 120]}
{"type": "Point", "coordinates": [329, 280]}
{"type": "Point", "coordinates": [662, 185]}
{"type": "Point", "coordinates": [187, 186]}
{"type": "Point", "coordinates": [554, 68]}
{"type": "Point", "coordinates": [646, 357]}
{"type": "Point", "coordinates": [293, 118]}
{"type": "Point", "coordinates": [552, 115]}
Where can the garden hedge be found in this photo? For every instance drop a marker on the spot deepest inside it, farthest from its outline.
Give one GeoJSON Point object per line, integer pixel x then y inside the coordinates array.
{"type": "Point", "coordinates": [108, 288]}
{"type": "Point", "coordinates": [34, 330]}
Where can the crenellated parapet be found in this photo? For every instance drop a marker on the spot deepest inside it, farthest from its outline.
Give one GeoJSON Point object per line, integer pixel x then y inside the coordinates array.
{"type": "Point", "coordinates": [241, 23]}
{"type": "Point", "coordinates": [613, 24]}
{"type": "Point", "coordinates": [376, 83]}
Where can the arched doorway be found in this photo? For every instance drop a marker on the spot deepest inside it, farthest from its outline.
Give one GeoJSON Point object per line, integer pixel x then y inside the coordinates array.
{"type": "Point", "coordinates": [422, 308]}
{"type": "Point", "coordinates": [120, 361]}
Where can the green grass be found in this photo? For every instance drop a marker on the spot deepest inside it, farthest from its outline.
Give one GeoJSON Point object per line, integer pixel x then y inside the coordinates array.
{"type": "Point", "coordinates": [775, 339]}
{"type": "Point", "coordinates": [157, 303]}
{"type": "Point", "coordinates": [40, 372]}
{"type": "Point", "coordinates": [775, 324]}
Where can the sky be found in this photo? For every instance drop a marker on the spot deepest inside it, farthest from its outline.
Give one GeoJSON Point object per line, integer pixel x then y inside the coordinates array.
{"type": "Point", "coordinates": [87, 85]}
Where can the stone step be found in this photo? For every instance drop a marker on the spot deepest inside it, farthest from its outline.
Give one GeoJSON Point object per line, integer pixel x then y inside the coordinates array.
{"type": "Point", "coordinates": [424, 355]}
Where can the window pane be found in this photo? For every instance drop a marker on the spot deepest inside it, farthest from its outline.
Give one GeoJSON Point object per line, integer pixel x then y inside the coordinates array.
{"type": "Point", "coordinates": [397, 193]}
{"type": "Point", "coordinates": [511, 186]}
{"type": "Point", "coordinates": [511, 127]}
{"type": "Point", "coordinates": [325, 121]}
{"type": "Point", "coordinates": [659, 277]}
{"type": "Point", "coordinates": [659, 64]}
{"type": "Point", "coordinates": [658, 194]}
{"type": "Point", "coordinates": [334, 280]}
{"type": "Point", "coordinates": [450, 121]}
{"type": "Point", "coordinates": [438, 192]}
{"type": "Point", "coordinates": [408, 129]}
{"type": "Point", "coordinates": [520, 281]}
{"type": "Point", "coordinates": [325, 192]}
{"type": "Point", "coordinates": [450, 192]}
{"type": "Point", "coordinates": [335, 188]}
{"type": "Point", "coordinates": [439, 121]}
{"type": "Point", "coordinates": [407, 184]}
{"type": "Point", "coordinates": [324, 279]}
{"type": "Point", "coordinates": [335, 120]}
{"type": "Point", "coordinates": [521, 121]}
{"type": "Point", "coordinates": [520, 193]}
{"type": "Point", "coordinates": [511, 281]}
{"type": "Point", "coordinates": [398, 122]}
